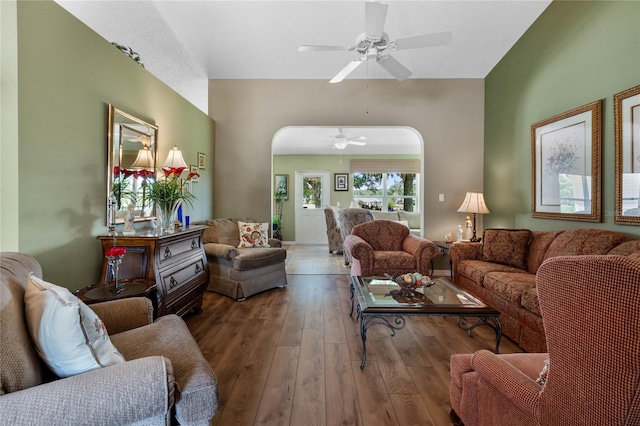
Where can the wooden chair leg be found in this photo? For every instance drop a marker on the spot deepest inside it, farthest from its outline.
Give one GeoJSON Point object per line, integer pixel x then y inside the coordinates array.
{"type": "Point", "coordinates": [455, 419]}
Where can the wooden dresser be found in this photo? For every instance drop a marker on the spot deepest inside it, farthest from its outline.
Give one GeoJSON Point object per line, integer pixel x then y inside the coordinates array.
{"type": "Point", "coordinates": [175, 261]}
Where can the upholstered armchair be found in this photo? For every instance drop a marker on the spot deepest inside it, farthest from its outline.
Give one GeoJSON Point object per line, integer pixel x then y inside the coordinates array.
{"type": "Point", "coordinates": [384, 246]}
{"type": "Point", "coordinates": [348, 219]}
{"type": "Point", "coordinates": [589, 307]}
{"type": "Point", "coordinates": [333, 228]}
{"type": "Point", "coordinates": [164, 380]}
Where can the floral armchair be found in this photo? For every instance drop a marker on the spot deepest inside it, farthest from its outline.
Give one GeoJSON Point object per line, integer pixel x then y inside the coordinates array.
{"type": "Point", "coordinates": [381, 247]}
{"type": "Point", "coordinates": [590, 312]}
{"type": "Point", "coordinates": [333, 228]}
{"type": "Point", "coordinates": [349, 218]}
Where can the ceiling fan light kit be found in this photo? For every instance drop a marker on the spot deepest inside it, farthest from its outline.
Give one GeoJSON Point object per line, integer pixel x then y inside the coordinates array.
{"type": "Point", "coordinates": [374, 43]}
{"type": "Point", "coordinates": [341, 141]}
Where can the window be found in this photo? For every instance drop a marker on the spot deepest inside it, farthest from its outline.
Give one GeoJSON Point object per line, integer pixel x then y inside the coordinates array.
{"type": "Point", "coordinates": [386, 191]}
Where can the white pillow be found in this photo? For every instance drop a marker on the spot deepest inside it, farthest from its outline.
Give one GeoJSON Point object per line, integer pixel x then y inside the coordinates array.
{"type": "Point", "coordinates": [253, 234]}
{"type": "Point", "coordinates": [69, 336]}
{"type": "Point", "coordinates": [403, 222]}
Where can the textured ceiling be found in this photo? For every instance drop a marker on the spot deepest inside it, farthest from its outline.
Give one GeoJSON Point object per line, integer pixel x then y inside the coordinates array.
{"type": "Point", "coordinates": [185, 43]}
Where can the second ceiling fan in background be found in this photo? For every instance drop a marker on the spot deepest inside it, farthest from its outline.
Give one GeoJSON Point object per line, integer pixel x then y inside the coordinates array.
{"type": "Point", "coordinates": [374, 43]}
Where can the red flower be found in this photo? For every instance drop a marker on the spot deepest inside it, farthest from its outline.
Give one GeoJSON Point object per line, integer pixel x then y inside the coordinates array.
{"type": "Point", "coordinates": [115, 251]}
{"type": "Point", "coordinates": [116, 170]}
{"type": "Point", "coordinates": [176, 171]}
{"type": "Point", "coordinates": [193, 175]}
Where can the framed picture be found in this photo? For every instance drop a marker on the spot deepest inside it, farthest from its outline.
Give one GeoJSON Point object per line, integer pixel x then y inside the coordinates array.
{"type": "Point", "coordinates": [202, 161]}
{"type": "Point", "coordinates": [281, 187]}
{"type": "Point", "coordinates": [566, 162]}
{"type": "Point", "coordinates": [626, 112]}
{"type": "Point", "coordinates": [341, 181]}
{"type": "Point", "coordinates": [194, 169]}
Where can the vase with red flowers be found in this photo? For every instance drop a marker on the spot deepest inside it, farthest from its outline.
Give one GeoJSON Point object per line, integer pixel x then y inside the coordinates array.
{"type": "Point", "coordinates": [168, 193]}
{"type": "Point", "coordinates": [114, 257]}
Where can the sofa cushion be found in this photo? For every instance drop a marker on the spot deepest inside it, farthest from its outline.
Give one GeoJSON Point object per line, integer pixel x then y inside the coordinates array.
{"type": "Point", "coordinates": [258, 257]}
{"type": "Point", "coordinates": [626, 248]}
{"type": "Point", "coordinates": [69, 336]}
{"type": "Point", "coordinates": [412, 217]}
{"type": "Point", "coordinates": [540, 243]}
{"type": "Point", "coordinates": [377, 215]}
{"type": "Point", "coordinates": [579, 242]}
{"type": "Point", "coordinates": [506, 246]}
{"type": "Point", "coordinates": [253, 234]}
{"type": "Point", "coordinates": [509, 285]}
{"type": "Point", "coordinates": [530, 300]}
{"type": "Point", "coordinates": [478, 269]}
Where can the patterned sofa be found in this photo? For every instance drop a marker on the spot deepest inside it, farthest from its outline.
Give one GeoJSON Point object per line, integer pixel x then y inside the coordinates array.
{"type": "Point", "coordinates": [241, 272]}
{"type": "Point", "coordinates": [501, 271]}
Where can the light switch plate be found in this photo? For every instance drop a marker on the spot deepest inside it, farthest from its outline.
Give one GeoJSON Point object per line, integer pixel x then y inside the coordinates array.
{"type": "Point", "coordinates": [441, 197]}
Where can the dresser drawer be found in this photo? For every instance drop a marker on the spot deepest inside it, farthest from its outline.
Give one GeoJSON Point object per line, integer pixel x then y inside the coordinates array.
{"type": "Point", "coordinates": [174, 251]}
{"type": "Point", "coordinates": [180, 278]}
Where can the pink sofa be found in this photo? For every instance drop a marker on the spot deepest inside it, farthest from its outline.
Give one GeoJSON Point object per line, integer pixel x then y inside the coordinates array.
{"type": "Point", "coordinates": [590, 311]}
{"type": "Point", "coordinates": [501, 271]}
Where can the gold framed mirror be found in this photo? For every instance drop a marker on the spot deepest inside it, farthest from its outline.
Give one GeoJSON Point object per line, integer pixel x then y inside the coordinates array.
{"type": "Point", "coordinates": [132, 147]}
{"type": "Point", "coordinates": [626, 108]}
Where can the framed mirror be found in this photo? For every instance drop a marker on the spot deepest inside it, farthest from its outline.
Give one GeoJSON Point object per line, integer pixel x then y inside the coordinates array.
{"type": "Point", "coordinates": [132, 146]}
{"type": "Point", "coordinates": [626, 108]}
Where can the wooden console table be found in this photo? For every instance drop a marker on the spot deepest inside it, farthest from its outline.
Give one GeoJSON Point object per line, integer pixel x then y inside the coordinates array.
{"type": "Point", "coordinates": [175, 261]}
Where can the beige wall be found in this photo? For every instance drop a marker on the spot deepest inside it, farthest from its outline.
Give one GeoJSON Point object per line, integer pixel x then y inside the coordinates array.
{"type": "Point", "coordinates": [448, 114]}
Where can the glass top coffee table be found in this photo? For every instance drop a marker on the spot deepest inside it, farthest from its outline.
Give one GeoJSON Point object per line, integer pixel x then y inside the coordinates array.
{"type": "Point", "coordinates": [378, 299]}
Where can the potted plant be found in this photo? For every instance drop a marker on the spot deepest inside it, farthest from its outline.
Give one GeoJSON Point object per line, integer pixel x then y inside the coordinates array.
{"type": "Point", "coordinates": [279, 197]}
{"type": "Point", "coordinates": [168, 193]}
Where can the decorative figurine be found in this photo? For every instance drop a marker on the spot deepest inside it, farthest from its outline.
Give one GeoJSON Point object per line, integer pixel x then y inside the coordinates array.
{"type": "Point", "coordinates": [468, 228]}
{"type": "Point", "coordinates": [459, 234]}
{"type": "Point", "coordinates": [128, 221]}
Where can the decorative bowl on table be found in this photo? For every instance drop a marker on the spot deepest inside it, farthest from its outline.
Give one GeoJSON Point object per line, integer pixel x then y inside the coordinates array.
{"type": "Point", "coordinates": [409, 284]}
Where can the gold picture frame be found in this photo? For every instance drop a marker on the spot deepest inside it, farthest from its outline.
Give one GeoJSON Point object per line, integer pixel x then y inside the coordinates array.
{"type": "Point", "coordinates": [566, 165]}
{"type": "Point", "coordinates": [626, 113]}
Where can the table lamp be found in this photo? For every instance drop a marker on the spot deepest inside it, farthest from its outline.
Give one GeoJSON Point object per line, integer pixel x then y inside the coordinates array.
{"type": "Point", "coordinates": [474, 203]}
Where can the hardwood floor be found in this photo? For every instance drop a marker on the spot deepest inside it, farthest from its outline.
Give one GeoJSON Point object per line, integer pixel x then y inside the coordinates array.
{"type": "Point", "coordinates": [292, 357]}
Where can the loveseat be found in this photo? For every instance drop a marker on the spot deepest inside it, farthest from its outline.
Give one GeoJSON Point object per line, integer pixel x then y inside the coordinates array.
{"type": "Point", "coordinates": [409, 219]}
{"type": "Point", "coordinates": [241, 272]}
{"type": "Point", "coordinates": [164, 379]}
{"type": "Point", "coordinates": [501, 270]}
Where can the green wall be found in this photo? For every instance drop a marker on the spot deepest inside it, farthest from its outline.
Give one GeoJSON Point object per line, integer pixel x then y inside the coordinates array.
{"type": "Point", "coordinates": [68, 75]}
{"type": "Point", "coordinates": [289, 164]}
{"type": "Point", "coordinates": [575, 53]}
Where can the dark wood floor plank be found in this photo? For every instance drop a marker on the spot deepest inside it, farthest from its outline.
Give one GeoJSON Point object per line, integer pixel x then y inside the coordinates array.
{"type": "Point", "coordinates": [342, 397]}
{"type": "Point", "coordinates": [309, 404]}
{"type": "Point", "coordinates": [277, 399]}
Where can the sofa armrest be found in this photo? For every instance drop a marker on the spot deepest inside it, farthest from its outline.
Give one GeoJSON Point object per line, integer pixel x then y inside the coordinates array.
{"type": "Point", "coordinates": [119, 394]}
{"type": "Point", "coordinates": [516, 387]}
{"type": "Point", "coordinates": [274, 242]}
{"type": "Point", "coordinates": [422, 249]}
{"type": "Point", "coordinates": [124, 314]}
{"type": "Point", "coordinates": [359, 248]}
{"type": "Point", "coordinates": [465, 251]}
{"type": "Point", "coordinates": [223, 251]}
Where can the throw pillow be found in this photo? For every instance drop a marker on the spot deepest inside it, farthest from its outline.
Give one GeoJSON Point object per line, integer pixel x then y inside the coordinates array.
{"type": "Point", "coordinates": [506, 246]}
{"type": "Point", "coordinates": [542, 377]}
{"type": "Point", "coordinates": [68, 335]}
{"type": "Point", "coordinates": [403, 222]}
{"type": "Point", "coordinates": [253, 234]}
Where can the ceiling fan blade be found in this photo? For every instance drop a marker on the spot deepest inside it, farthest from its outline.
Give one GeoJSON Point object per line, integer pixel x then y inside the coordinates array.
{"type": "Point", "coordinates": [357, 143]}
{"type": "Point", "coordinates": [424, 40]}
{"type": "Point", "coordinates": [346, 70]}
{"type": "Point", "coordinates": [320, 48]}
{"type": "Point", "coordinates": [395, 68]}
{"type": "Point", "coordinates": [357, 138]}
{"type": "Point", "coordinates": [375, 14]}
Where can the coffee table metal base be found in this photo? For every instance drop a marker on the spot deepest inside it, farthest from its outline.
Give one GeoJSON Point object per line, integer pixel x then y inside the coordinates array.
{"type": "Point", "coordinates": [396, 322]}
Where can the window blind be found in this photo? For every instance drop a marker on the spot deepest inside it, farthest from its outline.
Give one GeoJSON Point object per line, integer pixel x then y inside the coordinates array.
{"type": "Point", "coordinates": [385, 166]}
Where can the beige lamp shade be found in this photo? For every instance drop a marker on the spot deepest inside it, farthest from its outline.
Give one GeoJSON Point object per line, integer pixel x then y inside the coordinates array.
{"type": "Point", "coordinates": [174, 159]}
{"type": "Point", "coordinates": [144, 160]}
{"type": "Point", "coordinates": [474, 203]}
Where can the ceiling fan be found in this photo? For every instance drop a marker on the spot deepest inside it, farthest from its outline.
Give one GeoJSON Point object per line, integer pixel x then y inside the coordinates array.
{"type": "Point", "coordinates": [340, 141]}
{"type": "Point", "coordinates": [374, 43]}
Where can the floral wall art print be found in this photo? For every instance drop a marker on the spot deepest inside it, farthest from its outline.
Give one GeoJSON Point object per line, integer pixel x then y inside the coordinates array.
{"type": "Point", "coordinates": [566, 165]}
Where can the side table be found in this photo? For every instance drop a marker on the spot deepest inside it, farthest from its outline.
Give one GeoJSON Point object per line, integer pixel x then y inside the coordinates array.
{"type": "Point", "coordinates": [444, 246]}
{"type": "Point", "coordinates": [103, 292]}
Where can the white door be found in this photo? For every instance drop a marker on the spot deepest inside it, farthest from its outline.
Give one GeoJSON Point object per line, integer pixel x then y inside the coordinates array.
{"type": "Point", "coordinates": [312, 195]}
